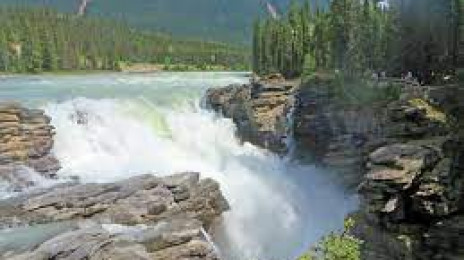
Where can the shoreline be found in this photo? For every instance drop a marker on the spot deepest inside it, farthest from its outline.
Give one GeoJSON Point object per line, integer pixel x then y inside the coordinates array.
{"type": "Point", "coordinates": [96, 72]}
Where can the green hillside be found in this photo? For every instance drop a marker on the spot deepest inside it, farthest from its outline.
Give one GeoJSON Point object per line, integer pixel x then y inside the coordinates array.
{"type": "Point", "coordinates": [28, 44]}
{"type": "Point", "coordinates": [222, 20]}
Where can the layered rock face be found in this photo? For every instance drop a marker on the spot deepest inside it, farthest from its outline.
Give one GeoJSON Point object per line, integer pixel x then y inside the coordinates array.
{"type": "Point", "coordinates": [144, 217]}
{"type": "Point", "coordinates": [26, 141]}
{"type": "Point", "coordinates": [413, 188]}
{"type": "Point", "coordinates": [408, 156]}
{"type": "Point", "coordinates": [341, 136]}
{"type": "Point", "coordinates": [260, 110]}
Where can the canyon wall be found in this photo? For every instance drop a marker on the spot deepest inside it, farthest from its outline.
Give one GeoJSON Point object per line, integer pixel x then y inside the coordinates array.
{"type": "Point", "coordinates": [403, 155]}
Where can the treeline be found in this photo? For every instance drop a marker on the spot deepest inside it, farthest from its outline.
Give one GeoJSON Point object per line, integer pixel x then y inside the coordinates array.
{"type": "Point", "coordinates": [36, 40]}
{"type": "Point", "coordinates": [360, 37]}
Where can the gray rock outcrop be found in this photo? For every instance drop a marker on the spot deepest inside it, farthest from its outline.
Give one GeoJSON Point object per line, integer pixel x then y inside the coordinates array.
{"type": "Point", "coordinates": [406, 158]}
{"type": "Point", "coordinates": [157, 218]}
{"type": "Point", "coordinates": [260, 110]}
{"type": "Point", "coordinates": [413, 187]}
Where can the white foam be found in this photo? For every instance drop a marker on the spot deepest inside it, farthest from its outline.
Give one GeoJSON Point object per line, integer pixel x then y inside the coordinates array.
{"type": "Point", "coordinates": [271, 215]}
{"type": "Point", "coordinates": [23, 179]}
{"type": "Point", "coordinates": [112, 126]}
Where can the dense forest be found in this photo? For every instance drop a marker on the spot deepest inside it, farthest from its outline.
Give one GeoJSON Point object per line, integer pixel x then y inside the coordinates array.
{"type": "Point", "coordinates": [217, 20]}
{"type": "Point", "coordinates": [36, 40]}
{"type": "Point", "coordinates": [360, 37]}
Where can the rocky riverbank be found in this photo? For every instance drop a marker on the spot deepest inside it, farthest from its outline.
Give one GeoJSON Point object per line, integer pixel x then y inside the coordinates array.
{"type": "Point", "coordinates": [144, 217]}
{"type": "Point", "coordinates": [26, 141]}
{"type": "Point", "coordinates": [405, 156]}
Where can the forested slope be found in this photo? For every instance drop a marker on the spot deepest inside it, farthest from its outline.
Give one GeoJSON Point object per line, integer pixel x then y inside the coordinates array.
{"type": "Point", "coordinates": [35, 40]}
{"type": "Point", "coordinates": [358, 37]}
{"type": "Point", "coordinates": [222, 20]}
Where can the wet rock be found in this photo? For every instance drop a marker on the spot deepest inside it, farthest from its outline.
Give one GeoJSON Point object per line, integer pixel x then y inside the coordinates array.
{"type": "Point", "coordinates": [137, 200]}
{"type": "Point", "coordinates": [259, 109]}
{"type": "Point", "coordinates": [179, 239]}
{"type": "Point", "coordinates": [141, 217]}
{"type": "Point", "coordinates": [26, 140]}
{"type": "Point", "coordinates": [172, 233]}
{"type": "Point", "coordinates": [334, 134]}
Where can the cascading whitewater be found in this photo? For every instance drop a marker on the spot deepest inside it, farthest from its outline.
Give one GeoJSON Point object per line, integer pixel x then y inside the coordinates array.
{"type": "Point", "coordinates": [270, 214]}
{"type": "Point", "coordinates": [278, 207]}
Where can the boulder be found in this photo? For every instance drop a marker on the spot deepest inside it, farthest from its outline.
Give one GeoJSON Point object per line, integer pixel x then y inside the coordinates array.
{"type": "Point", "coordinates": [399, 165]}
{"type": "Point", "coordinates": [259, 109]}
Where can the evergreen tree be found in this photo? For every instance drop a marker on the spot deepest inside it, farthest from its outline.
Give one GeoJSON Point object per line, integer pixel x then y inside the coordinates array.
{"type": "Point", "coordinates": [356, 37]}
{"type": "Point", "coordinates": [35, 40]}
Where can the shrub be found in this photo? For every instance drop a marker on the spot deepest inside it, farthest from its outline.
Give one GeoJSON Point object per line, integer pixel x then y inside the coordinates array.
{"type": "Point", "coordinates": [336, 246]}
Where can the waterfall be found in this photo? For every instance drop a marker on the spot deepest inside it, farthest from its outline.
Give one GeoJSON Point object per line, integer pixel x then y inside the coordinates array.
{"type": "Point", "coordinates": [117, 126]}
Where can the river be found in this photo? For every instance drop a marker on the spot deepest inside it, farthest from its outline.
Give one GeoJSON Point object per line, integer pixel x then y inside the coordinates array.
{"type": "Point", "coordinates": [154, 123]}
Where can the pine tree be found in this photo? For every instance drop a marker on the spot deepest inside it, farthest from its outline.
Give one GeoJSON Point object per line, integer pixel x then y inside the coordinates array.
{"type": "Point", "coordinates": [32, 40]}
{"type": "Point", "coordinates": [256, 46]}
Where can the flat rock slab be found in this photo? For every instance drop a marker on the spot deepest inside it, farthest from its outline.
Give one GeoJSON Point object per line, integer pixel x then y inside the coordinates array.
{"type": "Point", "coordinates": [170, 240]}
{"type": "Point", "coordinates": [143, 217]}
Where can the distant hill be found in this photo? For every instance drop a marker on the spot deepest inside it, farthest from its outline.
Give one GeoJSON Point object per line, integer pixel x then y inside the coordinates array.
{"type": "Point", "coordinates": [35, 40]}
{"type": "Point", "coordinates": [221, 20]}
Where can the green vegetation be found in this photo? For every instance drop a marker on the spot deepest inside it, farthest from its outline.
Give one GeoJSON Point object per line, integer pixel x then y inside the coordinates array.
{"type": "Point", "coordinates": [217, 20]}
{"type": "Point", "coordinates": [336, 246]}
{"type": "Point", "coordinates": [41, 40]}
{"type": "Point", "coordinates": [345, 90]}
{"type": "Point", "coordinates": [360, 37]}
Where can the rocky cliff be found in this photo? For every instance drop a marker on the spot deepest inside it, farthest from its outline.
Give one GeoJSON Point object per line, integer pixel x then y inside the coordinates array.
{"type": "Point", "coordinates": [413, 187]}
{"type": "Point", "coordinates": [260, 110]}
{"type": "Point", "coordinates": [406, 154]}
{"type": "Point", "coordinates": [332, 134]}
{"type": "Point", "coordinates": [26, 141]}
